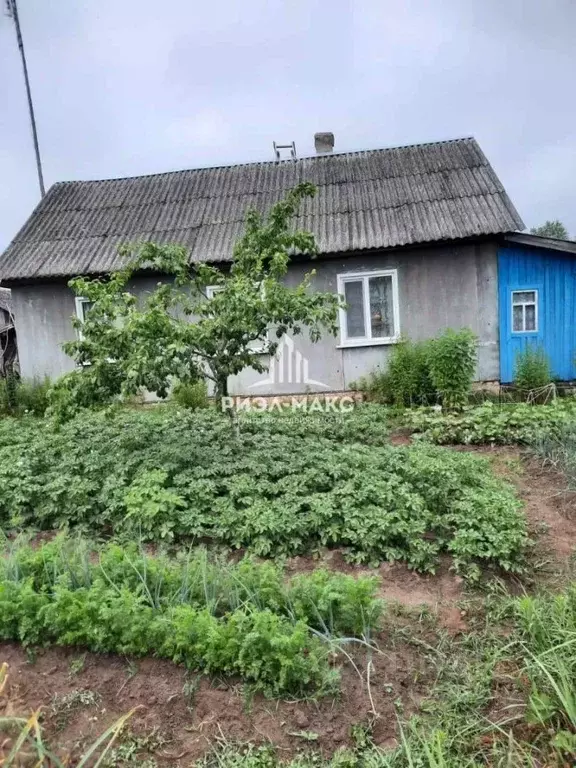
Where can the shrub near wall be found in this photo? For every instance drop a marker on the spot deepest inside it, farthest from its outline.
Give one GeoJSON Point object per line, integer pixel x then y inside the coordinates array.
{"type": "Point", "coordinates": [531, 370]}
{"type": "Point", "coordinates": [23, 396]}
{"type": "Point", "coordinates": [452, 359]}
{"type": "Point", "coordinates": [409, 374]}
{"type": "Point", "coordinates": [426, 372]}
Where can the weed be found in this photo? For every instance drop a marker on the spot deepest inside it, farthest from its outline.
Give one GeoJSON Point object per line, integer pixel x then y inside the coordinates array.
{"type": "Point", "coordinates": [305, 735]}
{"type": "Point", "coordinates": [64, 705]}
{"type": "Point", "coordinates": [136, 749]}
{"type": "Point", "coordinates": [452, 359]}
{"type": "Point", "coordinates": [361, 735]}
{"type": "Point", "coordinates": [190, 689]}
{"type": "Point", "coordinates": [23, 396]}
{"type": "Point", "coordinates": [77, 665]}
{"type": "Point", "coordinates": [131, 668]}
{"type": "Point", "coordinates": [409, 374]}
{"type": "Point", "coordinates": [532, 370]}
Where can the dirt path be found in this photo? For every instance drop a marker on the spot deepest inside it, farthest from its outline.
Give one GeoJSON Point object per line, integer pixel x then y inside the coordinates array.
{"type": "Point", "coordinates": [549, 508]}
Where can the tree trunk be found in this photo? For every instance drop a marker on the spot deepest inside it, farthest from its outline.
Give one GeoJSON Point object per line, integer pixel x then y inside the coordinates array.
{"type": "Point", "coordinates": [222, 392]}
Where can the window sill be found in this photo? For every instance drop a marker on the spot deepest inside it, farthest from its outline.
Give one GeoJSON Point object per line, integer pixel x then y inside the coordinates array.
{"type": "Point", "coordinates": [368, 342]}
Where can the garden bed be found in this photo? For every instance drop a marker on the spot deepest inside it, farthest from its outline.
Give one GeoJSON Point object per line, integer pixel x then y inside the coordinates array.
{"type": "Point", "coordinates": [184, 715]}
{"type": "Point", "coordinates": [286, 486]}
{"type": "Point", "coordinates": [438, 649]}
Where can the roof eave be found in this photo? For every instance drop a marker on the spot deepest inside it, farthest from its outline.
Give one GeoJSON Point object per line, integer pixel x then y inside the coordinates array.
{"type": "Point", "coordinates": [537, 241]}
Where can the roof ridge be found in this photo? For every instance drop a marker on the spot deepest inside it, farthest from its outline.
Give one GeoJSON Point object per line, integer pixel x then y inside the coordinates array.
{"type": "Point", "coordinates": [286, 161]}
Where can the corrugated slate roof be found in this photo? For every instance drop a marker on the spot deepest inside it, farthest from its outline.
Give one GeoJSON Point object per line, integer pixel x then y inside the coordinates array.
{"type": "Point", "coordinates": [371, 199]}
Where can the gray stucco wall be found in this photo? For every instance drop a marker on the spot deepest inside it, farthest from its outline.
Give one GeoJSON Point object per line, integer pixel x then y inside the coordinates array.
{"type": "Point", "coordinates": [439, 287]}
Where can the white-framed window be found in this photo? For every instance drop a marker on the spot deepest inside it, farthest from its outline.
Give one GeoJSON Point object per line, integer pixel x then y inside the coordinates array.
{"type": "Point", "coordinates": [525, 311]}
{"type": "Point", "coordinates": [212, 289]}
{"type": "Point", "coordinates": [372, 314]}
{"type": "Point", "coordinates": [256, 346]}
{"type": "Point", "coordinates": [83, 306]}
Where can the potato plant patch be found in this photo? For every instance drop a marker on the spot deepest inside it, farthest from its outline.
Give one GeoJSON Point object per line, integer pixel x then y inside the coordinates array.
{"type": "Point", "coordinates": [168, 475]}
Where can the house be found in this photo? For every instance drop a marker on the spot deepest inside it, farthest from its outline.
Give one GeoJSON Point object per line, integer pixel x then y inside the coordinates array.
{"type": "Point", "coordinates": [417, 239]}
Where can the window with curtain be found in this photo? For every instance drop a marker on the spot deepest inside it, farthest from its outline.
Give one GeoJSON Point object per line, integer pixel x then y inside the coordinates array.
{"type": "Point", "coordinates": [371, 315]}
{"type": "Point", "coordinates": [524, 311]}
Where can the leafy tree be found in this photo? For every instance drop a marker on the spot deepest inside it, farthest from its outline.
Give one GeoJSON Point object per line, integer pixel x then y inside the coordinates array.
{"type": "Point", "coordinates": [179, 331]}
{"type": "Point", "coordinates": [553, 229]}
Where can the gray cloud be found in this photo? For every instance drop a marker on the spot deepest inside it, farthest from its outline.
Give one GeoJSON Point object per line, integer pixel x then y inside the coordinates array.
{"type": "Point", "coordinates": [138, 86]}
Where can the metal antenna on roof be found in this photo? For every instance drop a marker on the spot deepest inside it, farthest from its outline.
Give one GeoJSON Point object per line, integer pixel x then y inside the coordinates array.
{"type": "Point", "coordinates": [278, 147]}
{"type": "Point", "coordinates": [12, 10]}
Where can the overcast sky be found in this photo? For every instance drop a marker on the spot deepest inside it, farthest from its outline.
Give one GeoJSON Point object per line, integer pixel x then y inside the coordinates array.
{"type": "Point", "coordinates": [125, 87]}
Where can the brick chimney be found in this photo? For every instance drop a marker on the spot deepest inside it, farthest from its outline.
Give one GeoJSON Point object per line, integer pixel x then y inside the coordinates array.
{"type": "Point", "coordinates": [323, 143]}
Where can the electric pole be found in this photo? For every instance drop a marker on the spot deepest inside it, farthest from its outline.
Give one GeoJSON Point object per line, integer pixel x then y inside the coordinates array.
{"type": "Point", "coordinates": [12, 9]}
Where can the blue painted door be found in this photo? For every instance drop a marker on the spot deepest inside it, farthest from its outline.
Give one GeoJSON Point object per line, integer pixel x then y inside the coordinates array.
{"type": "Point", "coordinates": [537, 294]}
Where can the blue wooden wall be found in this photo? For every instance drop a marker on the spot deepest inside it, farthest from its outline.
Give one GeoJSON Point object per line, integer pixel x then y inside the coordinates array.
{"type": "Point", "coordinates": [553, 275]}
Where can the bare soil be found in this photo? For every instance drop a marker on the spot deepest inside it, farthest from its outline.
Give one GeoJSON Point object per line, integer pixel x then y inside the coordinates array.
{"type": "Point", "coordinates": [186, 725]}
{"type": "Point", "coordinates": [180, 727]}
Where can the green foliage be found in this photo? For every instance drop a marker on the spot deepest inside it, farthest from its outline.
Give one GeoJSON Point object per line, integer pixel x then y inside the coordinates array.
{"type": "Point", "coordinates": [191, 395]}
{"type": "Point", "coordinates": [425, 372]}
{"type": "Point", "coordinates": [286, 486]}
{"type": "Point", "coordinates": [176, 332]}
{"type": "Point", "coordinates": [532, 369]}
{"type": "Point", "coordinates": [409, 371]}
{"type": "Point", "coordinates": [151, 507]}
{"type": "Point", "coordinates": [327, 601]}
{"type": "Point", "coordinates": [548, 627]}
{"type": "Point", "coordinates": [376, 387]}
{"type": "Point", "coordinates": [475, 714]}
{"type": "Point", "coordinates": [20, 396]}
{"type": "Point", "coordinates": [554, 229]}
{"type": "Point", "coordinates": [406, 382]}
{"type": "Point", "coordinates": [367, 424]}
{"type": "Point", "coordinates": [558, 449]}
{"type": "Point", "coordinates": [493, 424]}
{"type": "Point", "coordinates": [213, 616]}
{"type": "Point", "coordinates": [335, 603]}
{"type": "Point", "coordinates": [452, 359]}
